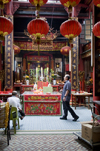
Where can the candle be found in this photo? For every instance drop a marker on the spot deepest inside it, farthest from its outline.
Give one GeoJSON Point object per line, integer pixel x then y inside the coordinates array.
{"type": "Point", "coordinates": [36, 73]}
{"type": "Point", "coordinates": [47, 70]}
{"type": "Point", "coordinates": [41, 72]}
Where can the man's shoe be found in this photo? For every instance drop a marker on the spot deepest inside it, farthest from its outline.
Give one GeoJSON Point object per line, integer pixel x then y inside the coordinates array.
{"type": "Point", "coordinates": [21, 117]}
{"type": "Point", "coordinates": [75, 119]}
{"type": "Point", "coordinates": [63, 118]}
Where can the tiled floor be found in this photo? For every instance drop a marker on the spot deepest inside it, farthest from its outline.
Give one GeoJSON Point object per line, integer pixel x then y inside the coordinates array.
{"type": "Point", "coordinates": [54, 122]}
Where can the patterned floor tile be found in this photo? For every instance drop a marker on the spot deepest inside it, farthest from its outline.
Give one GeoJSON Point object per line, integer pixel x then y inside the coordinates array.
{"type": "Point", "coordinates": [43, 143]}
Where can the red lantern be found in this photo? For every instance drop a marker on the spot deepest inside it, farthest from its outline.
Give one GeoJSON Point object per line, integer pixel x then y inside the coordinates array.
{"type": "Point", "coordinates": [38, 28]}
{"type": "Point", "coordinates": [69, 3]}
{"type": "Point", "coordinates": [96, 3]}
{"type": "Point", "coordinates": [65, 50]}
{"type": "Point", "coordinates": [96, 29]}
{"type": "Point", "coordinates": [2, 2]}
{"type": "Point", "coordinates": [38, 3]}
{"type": "Point", "coordinates": [16, 49]}
{"type": "Point", "coordinates": [6, 27]}
{"type": "Point", "coordinates": [70, 29]}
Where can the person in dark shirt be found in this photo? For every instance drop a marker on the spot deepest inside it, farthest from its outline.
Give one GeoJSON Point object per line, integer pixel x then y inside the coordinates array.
{"type": "Point", "coordinates": [66, 95]}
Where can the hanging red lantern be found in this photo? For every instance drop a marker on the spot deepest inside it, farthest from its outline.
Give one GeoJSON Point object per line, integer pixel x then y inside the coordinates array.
{"type": "Point", "coordinates": [70, 29]}
{"type": "Point", "coordinates": [96, 29]}
{"type": "Point", "coordinates": [16, 49]}
{"type": "Point", "coordinates": [6, 27]}
{"type": "Point", "coordinates": [69, 3]}
{"type": "Point", "coordinates": [38, 28]}
{"type": "Point", "coordinates": [96, 3]}
{"type": "Point", "coordinates": [65, 50]}
{"type": "Point", "coordinates": [2, 2]}
{"type": "Point", "coordinates": [38, 3]}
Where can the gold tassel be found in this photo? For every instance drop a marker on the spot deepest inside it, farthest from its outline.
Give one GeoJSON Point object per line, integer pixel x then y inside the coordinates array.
{"type": "Point", "coordinates": [1, 47]}
{"type": "Point", "coordinates": [38, 7]}
{"type": "Point", "coordinates": [38, 50]}
{"type": "Point", "coordinates": [1, 5]}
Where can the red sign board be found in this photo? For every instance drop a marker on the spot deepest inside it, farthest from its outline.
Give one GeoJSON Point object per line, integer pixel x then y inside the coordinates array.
{"type": "Point", "coordinates": [37, 58]}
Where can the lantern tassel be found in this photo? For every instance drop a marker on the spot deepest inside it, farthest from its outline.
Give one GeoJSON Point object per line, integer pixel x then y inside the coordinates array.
{"type": "Point", "coordinates": [2, 38]}
{"type": "Point", "coordinates": [70, 9]}
{"type": "Point", "coordinates": [71, 45]}
{"type": "Point", "coordinates": [38, 7]}
{"type": "Point", "coordinates": [71, 40]}
{"type": "Point", "coordinates": [38, 50]}
{"type": "Point", "coordinates": [38, 42]}
{"type": "Point", "coordinates": [1, 5]}
{"type": "Point", "coordinates": [37, 14]}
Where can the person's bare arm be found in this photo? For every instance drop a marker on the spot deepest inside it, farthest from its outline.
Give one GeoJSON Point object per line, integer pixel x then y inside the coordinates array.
{"type": "Point", "coordinates": [64, 98]}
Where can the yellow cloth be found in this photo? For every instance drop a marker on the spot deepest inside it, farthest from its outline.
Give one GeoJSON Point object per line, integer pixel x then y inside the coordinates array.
{"type": "Point", "coordinates": [4, 113]}
{"type": "Point", "coordinates": [7, 114]}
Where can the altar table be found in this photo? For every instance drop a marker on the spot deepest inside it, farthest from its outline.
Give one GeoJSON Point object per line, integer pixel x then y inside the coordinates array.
{"type": "Point", "coordinates": [17, 85]}
{"type": "Point", "coordinates": [55, 87]}
{"type": "Point", "coordinates": [26, 88]}
{"type": "Point", "coordinates": [82, 95]}
{"type": "Point", "coordinates": [4, 95]}
{"type": "Point", "coordinates": [41, 104]}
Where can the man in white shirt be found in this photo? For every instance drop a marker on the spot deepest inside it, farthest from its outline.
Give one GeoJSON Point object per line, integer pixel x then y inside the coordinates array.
{"type": "Point", "coordinates": [14, 101]}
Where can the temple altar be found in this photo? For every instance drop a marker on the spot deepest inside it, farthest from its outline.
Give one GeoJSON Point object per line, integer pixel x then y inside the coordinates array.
{"type": "Point", "coordinates": [26, 88]}
{"type": "Point", "coordinates": [41, 103]}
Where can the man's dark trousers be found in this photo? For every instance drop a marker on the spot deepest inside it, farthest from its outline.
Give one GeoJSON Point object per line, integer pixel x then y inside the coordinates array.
{"type": "Point", "coordinates": [66, 107]}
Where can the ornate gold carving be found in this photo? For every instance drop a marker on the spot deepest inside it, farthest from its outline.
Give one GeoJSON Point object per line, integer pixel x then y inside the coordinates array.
{"type": "Point", "coordinates": [2, 75]}
{"type": "Point", "coordinates": [81, 75]}
{"type": "Point", "coordinates": [46, 41]}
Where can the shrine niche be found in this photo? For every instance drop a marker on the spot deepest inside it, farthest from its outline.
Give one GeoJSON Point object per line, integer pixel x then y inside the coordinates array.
{"type": "Point", "coordinates": [37, 67]}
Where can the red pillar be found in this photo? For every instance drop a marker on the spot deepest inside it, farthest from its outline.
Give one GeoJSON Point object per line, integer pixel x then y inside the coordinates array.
{"type": "Point", "coordinates": [0, 63]}
{"type": "Point", "coordinates": [96, 18]}
{"type": "Point", "coordinates": [95, 98]}
{"type": "Point", "coordinates": [9, 87]}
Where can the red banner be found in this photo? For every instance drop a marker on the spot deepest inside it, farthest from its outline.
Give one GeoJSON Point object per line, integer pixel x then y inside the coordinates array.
{"type": "Point", "coordinates": [42, 98]}
{"type": "Point", "coordinates": [41, 108]}
{"type": "Point", "coordinates": [74, 64]}
{"type": "Point", "coordinates": [8, 59]}
{"type": "Point", "coordinates": [67, 67]}
{"type": "Point", "coordinates": [37, 58]}
{"type": "Point", "coordinates": [29, 46]}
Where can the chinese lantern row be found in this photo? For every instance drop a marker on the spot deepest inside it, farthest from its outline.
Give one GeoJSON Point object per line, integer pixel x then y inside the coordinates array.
{"type": "Point", "coordinates": [71, 28]}
{"type": "Point", "coordinates": [6, 26]}
{"type": "Point", "coordinates": [96, 28]}
{"type": "Point", "coordinates": [38, 27]}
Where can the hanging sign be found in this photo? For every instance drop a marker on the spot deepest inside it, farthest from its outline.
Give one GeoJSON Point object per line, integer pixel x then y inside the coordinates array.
{"type": "Point", "coordinates": [37, 58]}
{"type": "Point", "coordinates": [74, 64]}
{"type": "Point", "coordinates": [8, 59]}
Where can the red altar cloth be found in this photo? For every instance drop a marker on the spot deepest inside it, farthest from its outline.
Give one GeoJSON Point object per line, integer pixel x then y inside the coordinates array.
{"type": "Point", "coordinates": [42, 104]}
{"type": "Point", "coordinates": [41, 84]}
